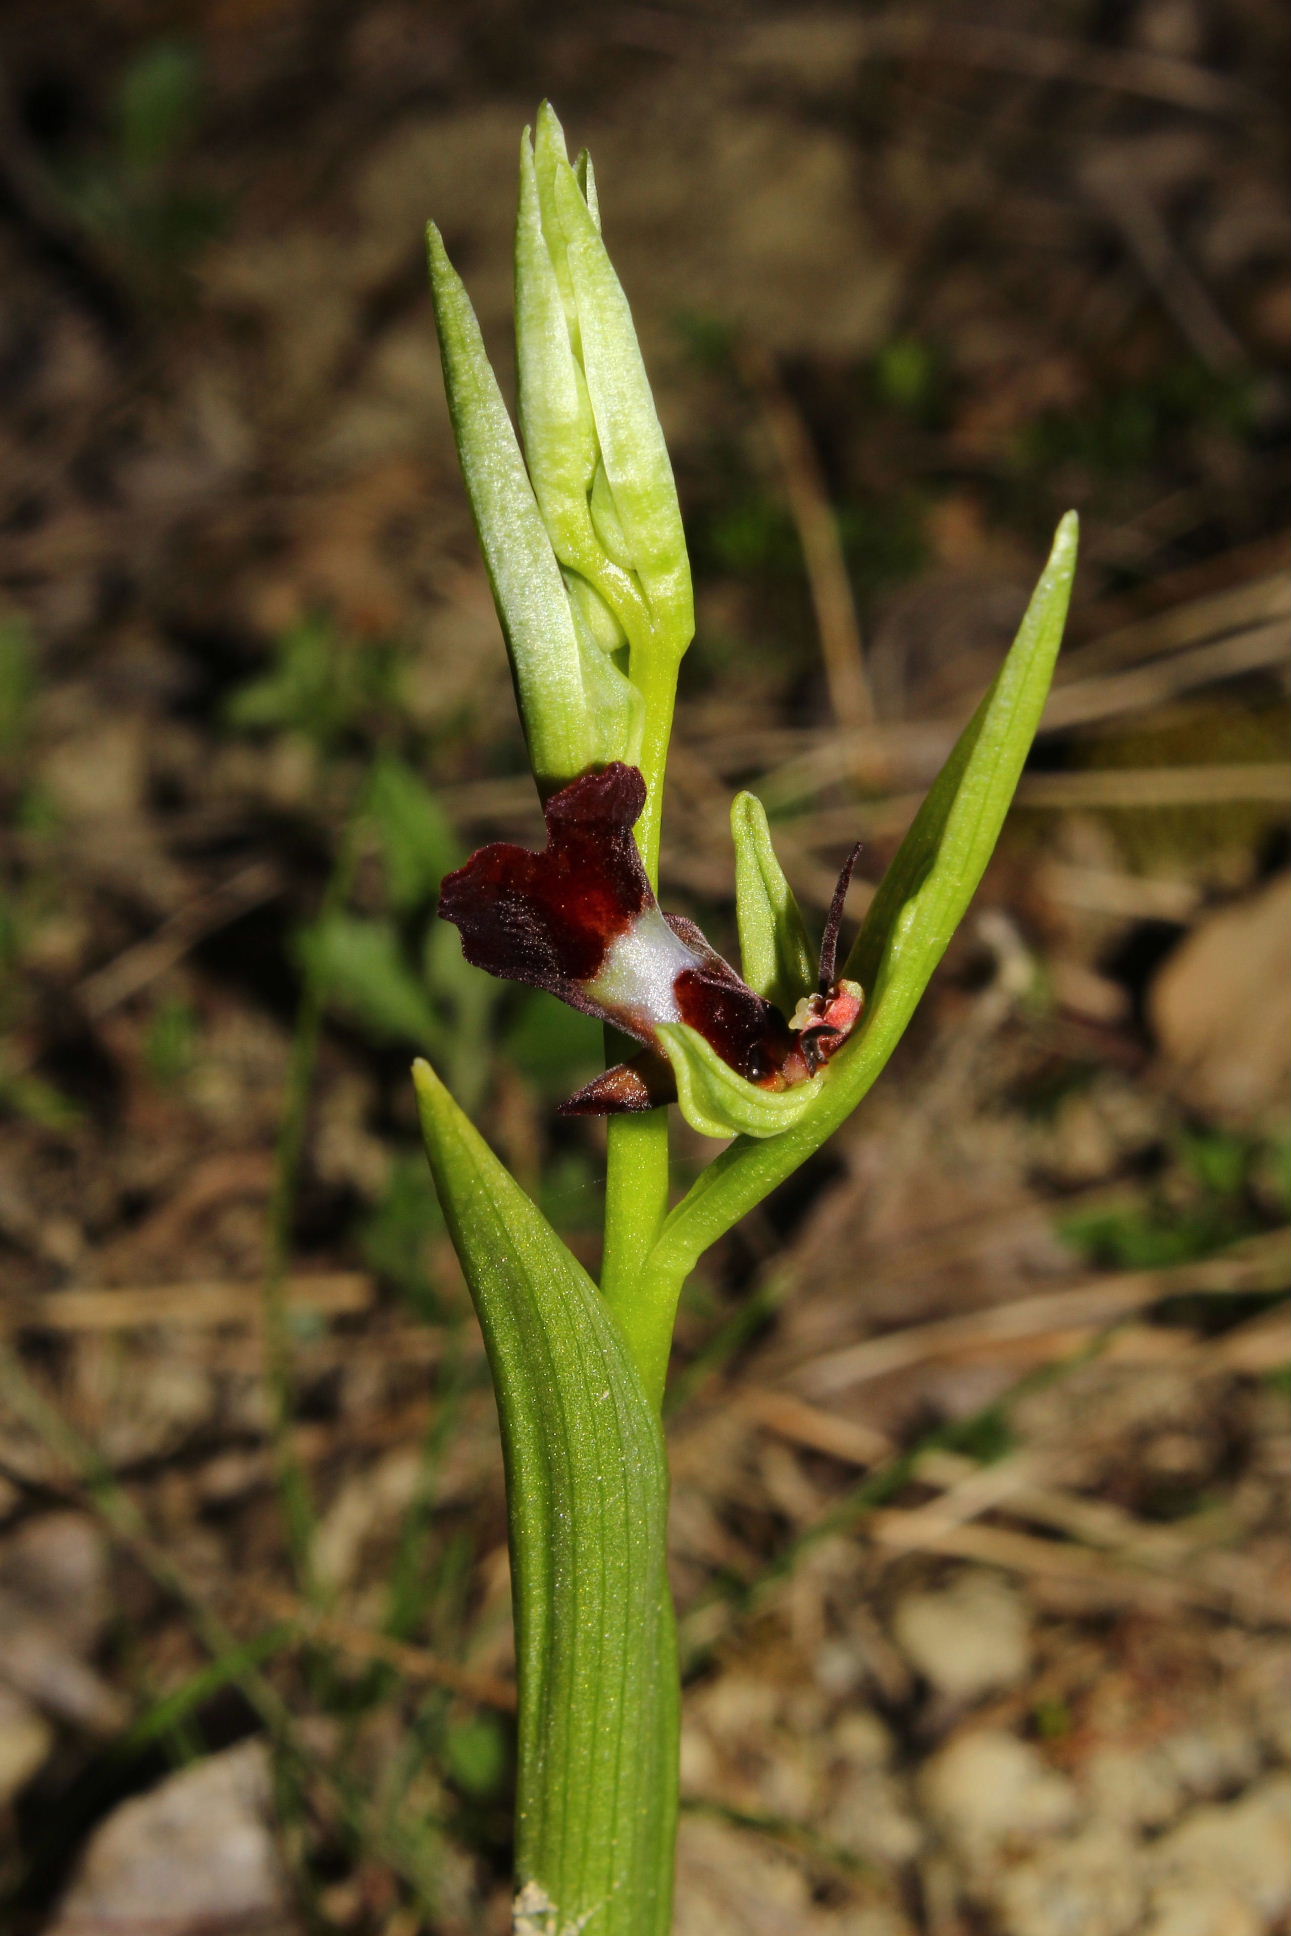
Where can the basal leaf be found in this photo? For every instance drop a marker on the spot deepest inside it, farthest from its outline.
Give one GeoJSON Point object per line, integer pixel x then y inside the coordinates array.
{"type": "Point", "coordinates": [587, 1492]}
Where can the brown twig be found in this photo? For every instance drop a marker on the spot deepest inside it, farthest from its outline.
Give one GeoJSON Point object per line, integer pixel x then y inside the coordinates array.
{"type": "Point", "coordinates": [830, 586]}
{"type": "Point", "coordinates": [191, 1306]}
{"type": "Point", "coordinates": [414, 1663]}
{"type": "Point", "coordinates": [1257, 1265]}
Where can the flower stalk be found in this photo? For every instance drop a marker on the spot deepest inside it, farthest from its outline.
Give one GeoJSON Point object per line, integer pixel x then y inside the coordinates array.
{"type": "Point", "coordinates": [582, 538]}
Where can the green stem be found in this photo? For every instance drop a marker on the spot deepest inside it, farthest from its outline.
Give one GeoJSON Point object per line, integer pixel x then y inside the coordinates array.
{"type": "Point", "coordinates": [636, 1203]}
{"type": "Point", "coordinates": [636, 1164]}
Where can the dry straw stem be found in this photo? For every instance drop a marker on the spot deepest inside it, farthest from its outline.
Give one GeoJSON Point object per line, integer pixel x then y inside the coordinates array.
{"type": "Point", "coordinates": [929, 36]}
{"type": "Point", "coordinates": [828, 580]}
{"type": "Point", "coordinates": [416, 1664]}
{"type": "Point", "coordinates": [1258, 1265]}
{"type": "Point", "coordinates": [202, 1304]}
{"type": "Point", "coordinates": [1136, 668]}
{"type": "Point", "coordinates": [138, 966]}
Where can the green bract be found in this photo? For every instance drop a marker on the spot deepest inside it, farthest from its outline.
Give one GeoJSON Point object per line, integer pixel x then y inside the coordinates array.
{"type": "Point", "coordinates": [718, 1102]}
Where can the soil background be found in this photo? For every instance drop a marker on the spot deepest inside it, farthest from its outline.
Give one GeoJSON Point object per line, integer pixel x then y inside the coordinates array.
{"type": "Point", "coordinates": [980, 1427]}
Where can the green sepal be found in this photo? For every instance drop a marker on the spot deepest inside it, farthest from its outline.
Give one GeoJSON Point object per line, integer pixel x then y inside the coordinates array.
{"type": "Point", "coordinates": [717, 1101]}
{"type": "Point", "coordinates": [577, 708]}
{"type": "Point", "coordinates": [777, 958]}
{"type": "Point", "coordinates": [587, 1498]}
{"type": "Point", "coordinates": [922, 900]}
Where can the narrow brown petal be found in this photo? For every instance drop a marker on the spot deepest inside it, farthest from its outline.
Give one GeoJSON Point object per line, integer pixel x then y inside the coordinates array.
{"type": "Point", "coordinates": [646, 1082]}
{"type": "Point", "coordinates": [834, 921]}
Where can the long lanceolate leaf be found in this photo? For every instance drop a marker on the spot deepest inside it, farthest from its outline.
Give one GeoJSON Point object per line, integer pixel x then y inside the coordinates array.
{"type": "Point", "coordinates": [921, 902]}
{"type": "Point", "coordinates": [587, 1493]}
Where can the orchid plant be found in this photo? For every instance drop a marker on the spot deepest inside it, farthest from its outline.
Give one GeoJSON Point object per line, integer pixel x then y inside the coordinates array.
{"type": "Point", "coordinates": [583, 541]}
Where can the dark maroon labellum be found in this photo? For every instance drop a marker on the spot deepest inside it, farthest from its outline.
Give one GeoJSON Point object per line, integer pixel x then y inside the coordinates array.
{"type": "Point", "coordinates": [580, 920]}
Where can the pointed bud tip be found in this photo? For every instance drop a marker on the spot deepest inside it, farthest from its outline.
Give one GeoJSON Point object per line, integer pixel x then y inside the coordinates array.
{"type": "Point", "coordinates": [424, 1079]}
{"type": "Point", "coordinates": [435, 250]}
{"type": "Point", "coordinates": [548, 126]}
{"type": "Point", "coordinates": [1067, 537]}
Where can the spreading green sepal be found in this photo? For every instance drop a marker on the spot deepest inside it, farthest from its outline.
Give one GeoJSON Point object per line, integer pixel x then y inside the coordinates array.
{"type": "Point", "coordinates": [776, 956]}
{"type": "Point", "coordinates": [587, 1498]}
{"type": "Point", "coordinates": [717, 1101]}
{"type": "Point", "coordinates": [923, 897]}
{"type": "Point", "coordinates": [578, 708]}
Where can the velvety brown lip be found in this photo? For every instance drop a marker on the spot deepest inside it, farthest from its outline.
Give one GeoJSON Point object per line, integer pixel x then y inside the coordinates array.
{"type": "Point", "coordinates": [553, 919]}
{"type": "Point", "coordinates": [547, 918]}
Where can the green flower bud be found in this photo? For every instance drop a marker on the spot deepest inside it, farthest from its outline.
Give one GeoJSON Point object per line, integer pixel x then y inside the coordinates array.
{"type": "Point", "coordinates": [577, 707]}
{"type": "Point", "coordinates": [596, 453]}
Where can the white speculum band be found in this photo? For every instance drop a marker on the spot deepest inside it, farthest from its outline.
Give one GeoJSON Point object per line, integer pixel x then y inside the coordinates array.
{"type": "Point", "coordinates": [640, 968]}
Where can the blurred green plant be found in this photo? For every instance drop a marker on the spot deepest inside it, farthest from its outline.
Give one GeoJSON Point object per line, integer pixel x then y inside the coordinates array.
{"type": "Point", "coordinates": [394, 1234]}
{"type": "Point", "coordinates": [325, 686]}
{"type": "Point", "coordinates": [1207, 1196]}
{"type": "Point", "coordinates": [170, 1045]}
{"type": "Point", "coordinates": [912, 377]}
{"type": "Point", "coordinates": [17, 683]}
{"type": "Point", "coordinates": [135, 195]}
{"type": "Point", "coordinates": [1130, 427]}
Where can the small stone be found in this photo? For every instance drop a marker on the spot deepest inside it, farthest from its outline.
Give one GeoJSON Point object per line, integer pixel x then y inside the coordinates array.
{"type": "Point", "coordinates": [1220, 1756]}
{"type": "Point", "coordinates": [970, 1639]}
{"type": "Point", "coordinates": [1138, 1788]}
{"type": "Point", "coordinates": [868, 1818]}
{"type": "Point", "coordinates": [25, 1740]}
{"type": "Point", "coordinates": [1221, 1007]}
{"type": "Point", "coordinates": [1246, 1842]}
{"type": "Point", "coordinates": [197, 1850]}
{"type": "Point", "coordinates": [987, 1787]}
{"type": "Point", "coordinates": [1089, 1885]}
{"type": "Point", "coordinates": [1201, 1908]}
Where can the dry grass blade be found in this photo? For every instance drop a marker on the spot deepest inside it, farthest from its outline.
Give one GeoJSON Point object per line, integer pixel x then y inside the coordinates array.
{"type": "Point", "coordinates": [1131, 1561]}
{"type": "Point", "coordinates": [200, 1305]}
{"type": "Point", "coordinates": [415, 1664]}
{"type": "Point", "coordinates": [1257, 1265]}
{"type": "Point", "coordinates": [1085, 701]}
{"type": "Point", "coordinates": [1252, 603]}
{"type": "Point", "coordinates": [1133, 213]}
{"type": "Point", "coordinates": [152, 957]}
{"type": "Point", "coordinates": [929, 1530]}
{"type": "Point", "coordinates": [1160, 786]}
{"type": "Point", "coordinates": [837, 623]}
